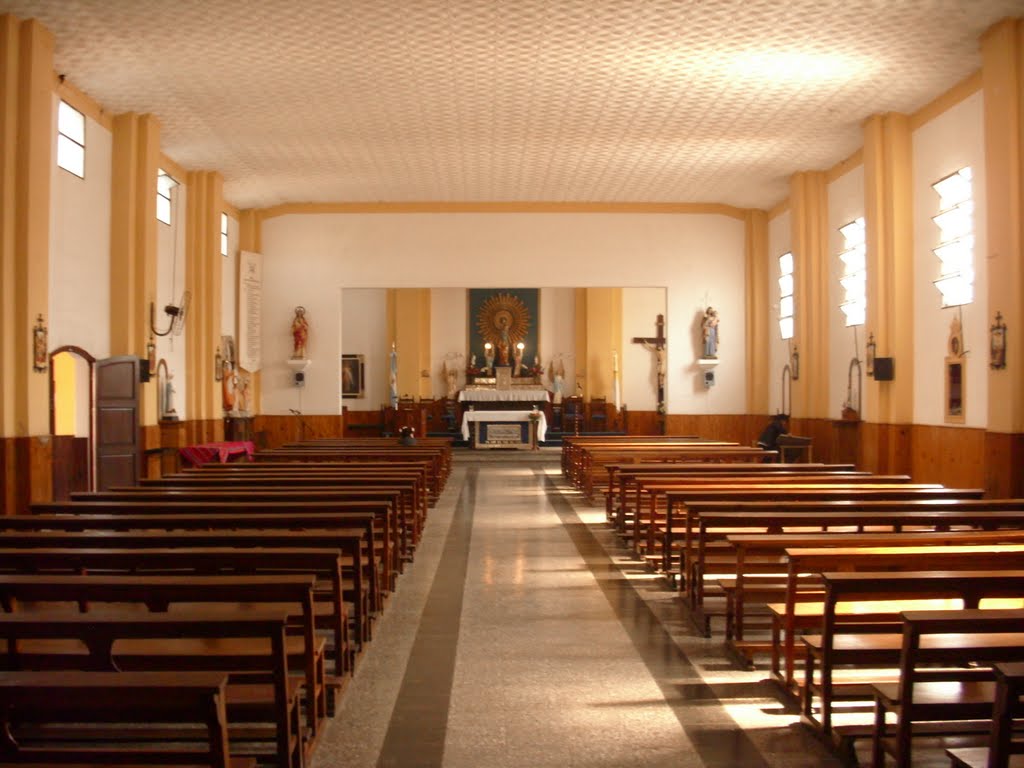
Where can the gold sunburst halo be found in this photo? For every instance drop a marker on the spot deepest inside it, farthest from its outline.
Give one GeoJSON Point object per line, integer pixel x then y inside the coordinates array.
{"type": "Point", "coordinates": [503, 310]}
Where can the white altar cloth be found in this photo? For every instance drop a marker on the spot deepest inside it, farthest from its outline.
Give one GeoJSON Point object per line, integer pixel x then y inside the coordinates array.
{"type": "Point", "coordinates": [516, 394]}
{"type": "Point", "coordinates": [471, 416]}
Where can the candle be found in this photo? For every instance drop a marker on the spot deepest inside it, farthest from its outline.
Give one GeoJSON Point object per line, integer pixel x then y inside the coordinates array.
{"type": "Point", "coordinates": [615, 361]}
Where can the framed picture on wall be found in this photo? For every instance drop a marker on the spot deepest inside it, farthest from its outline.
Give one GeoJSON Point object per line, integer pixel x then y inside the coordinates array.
{"type": "Point", "coordinates": [353, 377]}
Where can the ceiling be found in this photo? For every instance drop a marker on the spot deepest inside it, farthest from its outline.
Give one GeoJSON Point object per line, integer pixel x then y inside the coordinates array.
{"type": "Point", "coordinates": [609, 101]}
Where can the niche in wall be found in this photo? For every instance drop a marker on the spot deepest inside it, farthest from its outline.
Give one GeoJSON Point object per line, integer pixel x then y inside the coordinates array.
{"type": "Point", "coordinates": [955, 375]}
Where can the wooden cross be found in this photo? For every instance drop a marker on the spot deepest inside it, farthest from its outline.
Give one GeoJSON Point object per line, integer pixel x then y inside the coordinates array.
{"type": "Point", "coordinates": [658, 344]}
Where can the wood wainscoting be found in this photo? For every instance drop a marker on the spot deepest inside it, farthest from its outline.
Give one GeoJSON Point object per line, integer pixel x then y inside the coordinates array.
{"type": "Point", "coordinates": [275, 431]}
{"type": "Point", "coordinates": [27, 466]}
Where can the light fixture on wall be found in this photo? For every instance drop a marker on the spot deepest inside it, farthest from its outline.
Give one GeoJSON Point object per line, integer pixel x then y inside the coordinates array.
{"type": "Point", "coordinates": [151, 355]}
{"type": "Point", "coordinates": [997, 344]}
{"type": "Point", "coordinates": [869, 355]}
{"type": "Point", "coordinates": [40, 345]}
{"type": "Point", "coordinates": [176, 314]}
{"type": "Point", "coordinates": [218, 366]}
{"type": "Point", "coordinates": [794, 363]}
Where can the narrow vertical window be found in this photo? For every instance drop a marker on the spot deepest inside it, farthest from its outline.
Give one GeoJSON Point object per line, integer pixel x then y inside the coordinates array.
{"type": "Point", "coordinates": [955, 221]}
{"type": "Point", "coordinates": [854, 279]}
{"type": "Point", "coordinates": [164, 184]}
{"type": "Point", "coordinates": [71, 139]}
{"type": "Point", "coordinates": [223, 234]}
{"type": "Point", "coordinates": [786, 295]}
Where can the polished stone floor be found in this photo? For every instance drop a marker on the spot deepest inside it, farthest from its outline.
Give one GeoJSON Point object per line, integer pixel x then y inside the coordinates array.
{"type": "Point", "coordinates": [523, 635]}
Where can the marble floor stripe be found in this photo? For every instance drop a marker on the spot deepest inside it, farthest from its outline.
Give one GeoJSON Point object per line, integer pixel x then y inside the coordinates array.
{"type": "Point", "coordinates": [416, 733]}
{"type": "Point", "coordinates": [721, 744]}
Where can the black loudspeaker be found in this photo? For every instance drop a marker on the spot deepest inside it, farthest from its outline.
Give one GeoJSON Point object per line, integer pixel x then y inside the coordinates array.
{"type": "Point", "coordinates": [884, 369]}
{"type": "Point", "coordinates": [144, 374]}
{"type": "Point", "coordinates": [300, 379]}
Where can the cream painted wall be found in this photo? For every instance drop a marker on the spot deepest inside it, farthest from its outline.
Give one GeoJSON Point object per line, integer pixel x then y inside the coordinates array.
{"type": "Point", "coordinates": [79, 303]}
{"type": "Point", "coordinates": [780, 240]}
{"type": "Point", "coordinates": [448, 331]}
{"type": "Point", "coordinates": [945, 145]}
{"type": "Point", "coordinates": [638, 369]}
{"type": "Point", "coordinates": [845, 203]}
{"type": "Point", "coordinates": [309, 257]}
{"type": "Point", "coordinates": [170, 283]}
{"type": "Point", "coordinates": [364, 332]}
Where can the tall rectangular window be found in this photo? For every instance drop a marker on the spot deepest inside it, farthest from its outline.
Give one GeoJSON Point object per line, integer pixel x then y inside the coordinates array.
{"type": "Point", "coordinates": [855, 276]}
{"type": "Point", "coordinates": [786, 295]}
{"type": "Point", "coordinates": [71, 139]}
{"type": "Point", "coordinates": [955, 221]}
{"type": "Point", "coordinates": [164, 184]}
{"type": "Point", "coordinates": [223, 234]}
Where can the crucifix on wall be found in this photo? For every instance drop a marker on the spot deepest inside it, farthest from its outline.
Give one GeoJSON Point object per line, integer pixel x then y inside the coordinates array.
{"type": "Point", "coordinates": [659, 345]}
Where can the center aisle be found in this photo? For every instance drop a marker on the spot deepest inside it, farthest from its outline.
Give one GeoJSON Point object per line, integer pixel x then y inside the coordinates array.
{"type": "Point", "coordinates": [522, 637]}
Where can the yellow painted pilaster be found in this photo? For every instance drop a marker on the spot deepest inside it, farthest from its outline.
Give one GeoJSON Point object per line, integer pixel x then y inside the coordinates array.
{"type": "Point", "coordinates": [757, 293]}
{"type": "Point", "coordinates": [1002, 49]}
{"type": "Point", "coordinates": [133, 240]}
{"type": "Point", "coordinates": [409, 327]}
{"type": "Point", "coordinates": [809, 224]}
{"type": "Point", "coordinates": [203, 279]}
{"type": "Point", "coordinates": [26, 144]}
{"type": "Point", "coordinates": [250, 238]}
{"type": "Point", "coordinates": [603, 337]}
{"type": "Point", "coordinates": [888, 205]}
{"type": "Point", "coordinates": [579, 387]}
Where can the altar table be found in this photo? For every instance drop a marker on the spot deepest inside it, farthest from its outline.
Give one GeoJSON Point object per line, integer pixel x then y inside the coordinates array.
{"type": "Point", "coordinates": [516, 394]}
{"type": "Point", "coordinates": [488, 432]}
{"type": "Point", "coordinates": [197, 455]}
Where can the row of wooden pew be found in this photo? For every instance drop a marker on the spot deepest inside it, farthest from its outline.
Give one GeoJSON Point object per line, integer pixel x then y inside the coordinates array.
{"type": "Point", "coordinates": [860, 593]}
{"type": "Point", "coordinates": [208, 618]}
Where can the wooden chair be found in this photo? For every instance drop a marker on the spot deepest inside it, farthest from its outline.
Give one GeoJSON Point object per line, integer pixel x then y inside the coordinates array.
{"type": "Point", "coordinates": [572, 414]}
{"type": "Point", "coordinates": [598, 410]}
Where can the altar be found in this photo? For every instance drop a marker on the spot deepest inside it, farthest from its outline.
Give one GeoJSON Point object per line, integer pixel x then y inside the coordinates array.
{"type": "Point", "coordinates": [505, 429]}
{"type": "Point", "coordinates": [512, 395]}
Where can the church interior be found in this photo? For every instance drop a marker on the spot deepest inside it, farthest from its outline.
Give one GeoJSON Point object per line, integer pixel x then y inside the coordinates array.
{"type": "Point", "coordinates": [431, 344]}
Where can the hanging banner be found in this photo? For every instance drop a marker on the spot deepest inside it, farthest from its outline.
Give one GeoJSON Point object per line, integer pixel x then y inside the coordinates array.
{"type": "Point", "coordinates": [250, 308]}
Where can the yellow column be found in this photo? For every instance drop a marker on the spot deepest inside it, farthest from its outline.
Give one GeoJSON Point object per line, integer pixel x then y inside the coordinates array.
{"type": "Point", "coordinates": [603, 336]}
{"type": "Point", "coordinates": [26, 138]}
{"type": "Point", "coordinates": [1002, 49]}
{"type": "Point", "coordinates": [888, 204]}
{"type": "Point", "coordinates": [809, 225]}
{"type": "Point", "coordinates": [1003, 80]}
{"type": "Point", "coordinates": [133, 240]}
{"type": "Point", "coordinates": [203, 279]}
{"type": "Point", "coordinates": [409, 329]}
{"type": "Point", "coordinates": [758, 293]}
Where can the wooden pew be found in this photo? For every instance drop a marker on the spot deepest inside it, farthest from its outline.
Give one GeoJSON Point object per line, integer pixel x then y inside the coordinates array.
{"type": "Point", "coordinates": [741, 530]}
{"type": "Point", "coordinates": [160, 593]}
{"type": "Point", "coordinates": [245, 699]}
{"type": "Point", "coordinates": [430, 460]}
{"type": "Point", "coordinates": [620, 474]}
{"type": "Point", "coordinates": [951, 638]}
{"type": "Point", "coordinates": [968, 572]}
{"type": "Point", "coordinates": [1004, 751]}
{"type": "Point", "coordinates": [373, 518]}
{"type": "Point", "coordinates": [46, 697]}
{"type": "Point", "coordinates": [401, 545]}
{"type": "Point", "coordinates": [351, 546]}
{"type": "Point", "coordinates": [322, 563]}
{"type": "Point", "coordinates": [679, 520]}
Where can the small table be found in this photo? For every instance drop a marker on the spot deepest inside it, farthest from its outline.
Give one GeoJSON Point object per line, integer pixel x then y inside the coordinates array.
{"type": "Point", "coordinates": [197, 455]}
{"type": "Point", "coordinates": [505, 429]}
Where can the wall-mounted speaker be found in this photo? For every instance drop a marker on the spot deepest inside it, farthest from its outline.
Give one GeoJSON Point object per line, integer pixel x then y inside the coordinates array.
{"type": "Point", "coordinates": [884, 369]}
{"type": "Point", "coordinates": [300, 379]}
{"type": "Point", "coordinates": [709, 379]}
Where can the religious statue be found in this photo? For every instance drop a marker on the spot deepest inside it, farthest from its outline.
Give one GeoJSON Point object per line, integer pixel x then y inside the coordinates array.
{"type": "Point", "coordinates": [393, 377]}
{"type": "Point", "coordinates": [517, 369]}
{"type": "Point", "coordinates": [557, 376]}
{"type": "Point", "coordinates": [451, 377]}
{"type": "Point", "coordinates": [300, 334]}
{"type": "Point", "coordinates": [242, 401]}
{"type": "Point", "coordinates": [709, 328]}
{"type": "Point", "coordinates": [659, 353]}
{"type": "Point", "coordinates": [489, 356]}
{"type": "Point", "coordinates": [228, 387]}
{"type": "Point", "coordinates": [169, 413]}
{"type": "Point", "coordinates": [503, 322]}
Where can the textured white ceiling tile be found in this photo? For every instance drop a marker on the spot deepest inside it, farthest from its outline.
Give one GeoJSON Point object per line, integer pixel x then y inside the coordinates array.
{"type": "Point", "coordinates": [531, 100]}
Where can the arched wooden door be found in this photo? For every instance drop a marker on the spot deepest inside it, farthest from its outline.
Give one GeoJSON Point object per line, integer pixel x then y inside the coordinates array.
{"type": "Point", "coordinates": [71, 419]}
